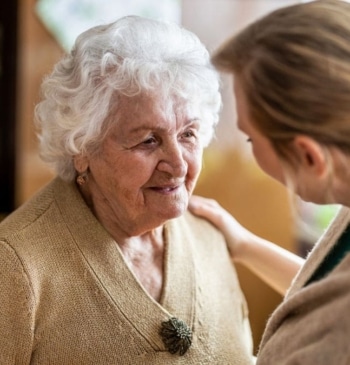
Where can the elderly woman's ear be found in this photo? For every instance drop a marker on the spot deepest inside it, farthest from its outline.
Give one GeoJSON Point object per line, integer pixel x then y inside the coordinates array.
{"type": "Point", "coordinates": [81, 163]}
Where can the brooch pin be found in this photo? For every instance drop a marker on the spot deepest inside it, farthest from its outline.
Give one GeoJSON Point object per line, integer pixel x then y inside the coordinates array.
{"type": "Point", "coordinates": [176, 335]}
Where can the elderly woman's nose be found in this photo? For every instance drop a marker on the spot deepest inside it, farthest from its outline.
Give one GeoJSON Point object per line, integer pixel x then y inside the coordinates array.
{"type": "Point", "coordinates": [172, 159]}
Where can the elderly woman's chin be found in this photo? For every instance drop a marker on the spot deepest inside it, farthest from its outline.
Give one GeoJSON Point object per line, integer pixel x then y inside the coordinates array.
{"type": "Point", "coordinates": [167, 204]}
{"type": "Point", "coordinates": [172, 207]}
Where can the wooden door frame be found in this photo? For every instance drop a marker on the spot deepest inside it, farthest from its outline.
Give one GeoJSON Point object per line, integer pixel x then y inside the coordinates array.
{"type": "Point", "coordinates": [8, 81]}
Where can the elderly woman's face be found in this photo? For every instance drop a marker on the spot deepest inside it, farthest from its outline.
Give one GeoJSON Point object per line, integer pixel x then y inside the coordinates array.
{"type": "Point", "coordinates": [148, 164]}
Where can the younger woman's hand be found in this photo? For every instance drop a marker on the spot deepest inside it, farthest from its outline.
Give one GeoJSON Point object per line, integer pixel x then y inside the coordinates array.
{"type": "Point", "coordinates": [235, 234]}
{"type": "Point", "coordinates": [272, 263]}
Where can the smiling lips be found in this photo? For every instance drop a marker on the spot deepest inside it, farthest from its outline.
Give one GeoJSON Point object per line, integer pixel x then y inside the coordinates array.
{"type": "Point", "coordinates": [166, 189]}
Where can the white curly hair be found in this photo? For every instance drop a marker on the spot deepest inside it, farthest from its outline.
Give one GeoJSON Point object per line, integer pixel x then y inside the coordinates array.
{"type": "Point", "coordinates": [127, 57]}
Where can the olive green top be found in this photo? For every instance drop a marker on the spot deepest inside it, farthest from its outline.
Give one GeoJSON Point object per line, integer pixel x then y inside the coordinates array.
{"type": "Point", "coordinates": [340, 249]}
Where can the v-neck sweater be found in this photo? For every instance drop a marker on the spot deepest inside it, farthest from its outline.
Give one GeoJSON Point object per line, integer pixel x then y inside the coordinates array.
{"type": "Point", "coordinates": [68, 297]}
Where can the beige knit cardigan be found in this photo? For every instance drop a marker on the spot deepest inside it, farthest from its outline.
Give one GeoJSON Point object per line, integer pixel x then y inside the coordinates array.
{"type": "Point", "coordinates": [67, 297]}
{"type": "Point", "coordinates": [312, 325]}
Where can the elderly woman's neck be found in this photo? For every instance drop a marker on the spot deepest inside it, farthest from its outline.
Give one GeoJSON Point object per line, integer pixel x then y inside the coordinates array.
{"type": "Point", "coordinates": [144, 255]}
{"type": "Point", "coordinates": [142, 247]}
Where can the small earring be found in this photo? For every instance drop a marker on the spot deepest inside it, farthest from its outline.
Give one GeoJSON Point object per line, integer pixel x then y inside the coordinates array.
{"type": "Point", "coordinates": [81, 179]}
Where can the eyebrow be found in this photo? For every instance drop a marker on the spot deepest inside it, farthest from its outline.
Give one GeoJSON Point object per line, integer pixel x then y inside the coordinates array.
{"type": "Point", "coordinates": [193, 120]}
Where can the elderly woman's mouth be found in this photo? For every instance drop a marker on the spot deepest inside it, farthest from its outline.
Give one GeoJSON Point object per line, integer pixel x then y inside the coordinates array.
{"type": "Point", "coordinates": [165, 189]}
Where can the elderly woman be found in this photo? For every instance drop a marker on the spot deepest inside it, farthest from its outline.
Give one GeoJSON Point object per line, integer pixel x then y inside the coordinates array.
{"type": "Point", "coordinates": [105, 265]}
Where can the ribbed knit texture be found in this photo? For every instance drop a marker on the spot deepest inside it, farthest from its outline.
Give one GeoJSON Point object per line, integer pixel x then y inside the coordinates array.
{"type": "Point", "coordinates": [312, 325]}
{"type": "Point", "coordinates": [67, 296]}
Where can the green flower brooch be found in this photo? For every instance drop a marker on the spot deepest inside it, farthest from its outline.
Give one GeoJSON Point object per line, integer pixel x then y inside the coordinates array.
{"type": "Point", "coordinates": [176, 335]}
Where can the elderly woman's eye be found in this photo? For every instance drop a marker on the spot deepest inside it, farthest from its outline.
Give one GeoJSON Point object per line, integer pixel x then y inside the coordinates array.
{"type": "Point", "coordinates": [189, 134]}
{"type": "Point", "coordinates": [150, 140]}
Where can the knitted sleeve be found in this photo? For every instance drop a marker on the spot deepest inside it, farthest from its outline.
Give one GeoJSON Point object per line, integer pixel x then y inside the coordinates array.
{"type": "Point", "coordinates": [16, 310]}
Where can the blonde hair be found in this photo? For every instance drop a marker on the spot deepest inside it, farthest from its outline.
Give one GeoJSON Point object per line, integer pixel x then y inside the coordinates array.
{"type": "Point", "coordinates": [294, 67]}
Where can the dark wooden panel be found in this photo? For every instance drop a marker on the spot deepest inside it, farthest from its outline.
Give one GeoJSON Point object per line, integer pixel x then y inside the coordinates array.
{"type": "Point", "coordinates": [8, 72]}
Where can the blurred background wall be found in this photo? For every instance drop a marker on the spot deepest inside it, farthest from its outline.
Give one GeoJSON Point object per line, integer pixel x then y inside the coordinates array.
{"type": "Point", "coordinates": [230, 174]}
